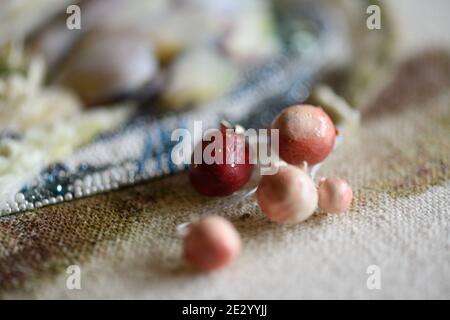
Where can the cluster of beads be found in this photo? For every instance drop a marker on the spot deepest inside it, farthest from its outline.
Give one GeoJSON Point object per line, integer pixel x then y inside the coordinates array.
{"type": "Point", "coordinates": [59, 184]}
{"type": "Point", "coordinates": [307, 137]}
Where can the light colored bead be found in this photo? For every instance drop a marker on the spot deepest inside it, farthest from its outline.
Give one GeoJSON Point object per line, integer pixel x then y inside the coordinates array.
{"type": "Point", "coordinates": [289, 196]}
{"type": "Point", "coordinates": [106, 177]}
{"type": "Point", "coordinates": [211, 243]}
{"type": "Point", "coordinates": [335, 195]}
{"type": "Point", "coordinates": [97, 179]}
{"type": "Point", "coordinates": [87, 181]}
{"type": "Point", "coordinates": [68, 196]}
{"type": "Point", "coordinates": [20, 198]}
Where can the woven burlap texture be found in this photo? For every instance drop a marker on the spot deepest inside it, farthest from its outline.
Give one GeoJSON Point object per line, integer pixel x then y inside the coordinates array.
{"type": "Point", "coordinates": [397, 162]}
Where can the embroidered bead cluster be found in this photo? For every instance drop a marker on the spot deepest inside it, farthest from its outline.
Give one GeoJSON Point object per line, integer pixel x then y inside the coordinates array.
{"type": "Point", "coordinates": [58, 184]}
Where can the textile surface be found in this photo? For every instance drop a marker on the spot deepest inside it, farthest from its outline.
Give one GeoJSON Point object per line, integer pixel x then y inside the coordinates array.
{"type": "Point", "coordinates": [397, 162]}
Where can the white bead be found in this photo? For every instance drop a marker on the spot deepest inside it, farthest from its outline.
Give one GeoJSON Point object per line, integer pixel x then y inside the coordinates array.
{"type": "Point", "coordinates": [97, 179]}
{"type": "Point", "coordinates": [87, 181]}
{"type": "Point", "coordinates": [68, 196]}
{"type": "Point", "coordinates": [20, 198]}
{"type": "Point", "coordinates": [106, 177]}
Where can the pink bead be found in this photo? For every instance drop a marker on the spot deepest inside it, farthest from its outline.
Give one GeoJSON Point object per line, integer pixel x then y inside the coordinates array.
{"type": "Point", "coordinates": [289, 196]}
{"type": "Point", "coordinates": [306, 134]}
{"type": "Point", "coordinates": [211, 243]}
{"type": "Point", "coordinates": [335, 195]}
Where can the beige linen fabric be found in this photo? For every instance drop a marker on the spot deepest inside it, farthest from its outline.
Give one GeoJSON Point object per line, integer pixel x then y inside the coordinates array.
{"type": "Point", "coordinates": [397, 163]}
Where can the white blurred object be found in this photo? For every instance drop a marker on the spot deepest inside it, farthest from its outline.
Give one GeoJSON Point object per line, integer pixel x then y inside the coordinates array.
{"type": "Point", "coordinates": [107, 64]}
{"type": "Point", "coordinates": [198, 76]}
{"type": "Point", "coordinates": [20, 17]}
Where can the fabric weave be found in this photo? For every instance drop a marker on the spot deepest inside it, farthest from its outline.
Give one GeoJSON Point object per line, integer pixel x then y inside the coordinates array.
{"type": "Point", "coordinates": [397, 162]}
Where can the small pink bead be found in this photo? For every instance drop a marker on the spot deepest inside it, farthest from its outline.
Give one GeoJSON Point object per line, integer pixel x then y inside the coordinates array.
{"type": "Point", "coordinates": [335, 195]}
{"type": "Point", "coordinates": [289, 196]}
{"type": "Point", "coordinates": [211, 243]}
